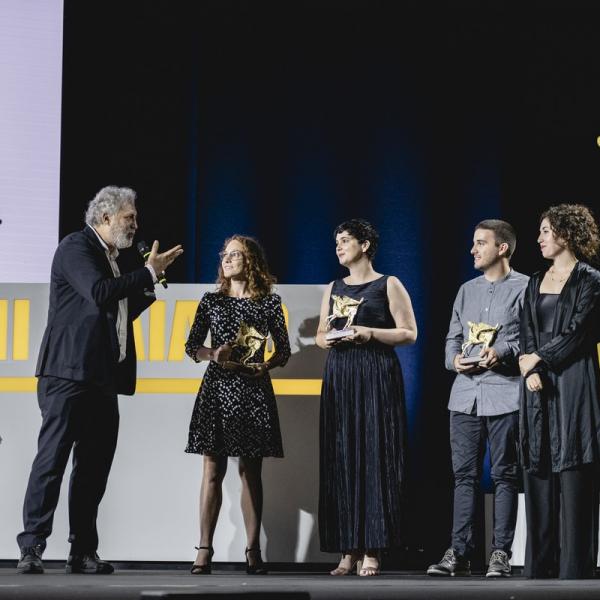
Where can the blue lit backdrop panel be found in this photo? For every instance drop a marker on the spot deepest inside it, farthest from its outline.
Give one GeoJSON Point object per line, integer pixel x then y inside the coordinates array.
{"type": "Point", "coordinates": [287, 163]}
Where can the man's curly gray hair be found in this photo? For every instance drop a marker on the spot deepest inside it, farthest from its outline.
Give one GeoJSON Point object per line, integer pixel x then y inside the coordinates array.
{"type": "Point", "coordinates": [108, 201]}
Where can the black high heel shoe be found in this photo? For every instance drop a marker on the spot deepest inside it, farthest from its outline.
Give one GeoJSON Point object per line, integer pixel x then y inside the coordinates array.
{"type": "Point", "coordinates": [203, 569]}
{"type": "Point", "coordinates": [257, 569]}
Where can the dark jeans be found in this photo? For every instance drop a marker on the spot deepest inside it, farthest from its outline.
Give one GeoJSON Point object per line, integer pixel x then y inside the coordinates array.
{"type": "Point", "coordinates": [468, 435]}
{"type": "Point", "coordinates": [562, 523]}
{"type": "Point", "coordinates": [84, 418]}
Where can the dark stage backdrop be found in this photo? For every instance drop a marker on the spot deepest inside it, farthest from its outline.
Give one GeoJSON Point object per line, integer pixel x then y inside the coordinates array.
{"type": "Point", "coordinates": [281, 119]}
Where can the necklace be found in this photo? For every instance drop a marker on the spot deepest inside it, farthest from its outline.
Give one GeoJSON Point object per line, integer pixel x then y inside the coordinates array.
{"type": "Point", "coordinates": [559, 279]}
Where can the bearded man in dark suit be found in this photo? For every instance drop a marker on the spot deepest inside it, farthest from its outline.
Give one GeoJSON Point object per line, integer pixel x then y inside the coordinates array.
{"type": "Point", "coordinates": [87, 357]}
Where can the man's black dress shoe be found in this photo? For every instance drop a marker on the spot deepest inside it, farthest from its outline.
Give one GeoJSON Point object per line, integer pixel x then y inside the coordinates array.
{"type": "Point", "coordinates": [31, 561]}
{"type": "Point", "coordinates": [88, 564]}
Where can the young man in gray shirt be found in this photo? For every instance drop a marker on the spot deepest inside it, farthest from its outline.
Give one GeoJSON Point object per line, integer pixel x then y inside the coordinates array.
{"type": "Point", "coordinates": [484, 401]}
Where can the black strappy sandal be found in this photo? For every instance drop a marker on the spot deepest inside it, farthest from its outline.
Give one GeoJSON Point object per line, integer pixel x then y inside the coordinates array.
{"type": "Point", "coordinates": [203, 569]}
{"type": "Point", "coordinates": [257, 569]}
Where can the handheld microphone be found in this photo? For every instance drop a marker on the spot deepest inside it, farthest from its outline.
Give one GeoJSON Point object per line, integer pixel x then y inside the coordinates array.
{"type": "Point", "coordinates": [144, 250]}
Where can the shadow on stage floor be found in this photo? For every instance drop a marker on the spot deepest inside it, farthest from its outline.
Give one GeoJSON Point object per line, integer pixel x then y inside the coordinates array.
{"type": "Point", "coordinates": [179, 584]}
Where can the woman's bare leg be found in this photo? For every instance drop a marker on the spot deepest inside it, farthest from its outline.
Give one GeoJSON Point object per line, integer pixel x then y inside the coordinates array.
{"type": "Point", "coordinates": [211, 496]}
{"type": "Point", "coordinates": [252, 503]}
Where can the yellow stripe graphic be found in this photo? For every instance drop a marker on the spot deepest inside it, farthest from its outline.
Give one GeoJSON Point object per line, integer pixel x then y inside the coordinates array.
{"type": "Point", "coordinates": [3, 329]}
{"type": "Point", "coordinates": [21, 330]}
{"type": "Point", "coordinates": [156, 351]}
{"type": "Point", "coordinates": [282, 387]}
{"type": "Point", "coordinates": [138, 338]}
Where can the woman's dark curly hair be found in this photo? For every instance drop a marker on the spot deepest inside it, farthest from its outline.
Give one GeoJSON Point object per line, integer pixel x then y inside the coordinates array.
{"type": "Point", "coordinates": [259, 278]}
{"type": "Point", "coordinates": [363, 231]}
{"type": "Point", "coordinates": [576, 226]}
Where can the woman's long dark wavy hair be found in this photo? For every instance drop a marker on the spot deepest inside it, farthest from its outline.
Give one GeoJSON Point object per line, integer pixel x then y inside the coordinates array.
{"type": "Point", "coordinates": [259, 278]}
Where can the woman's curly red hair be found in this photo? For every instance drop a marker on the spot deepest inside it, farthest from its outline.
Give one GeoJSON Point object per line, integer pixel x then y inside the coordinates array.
{"type": "Point", "coordinates": [259, 278]}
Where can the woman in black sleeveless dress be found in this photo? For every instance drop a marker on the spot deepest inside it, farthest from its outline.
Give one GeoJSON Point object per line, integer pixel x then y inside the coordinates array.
{"type": "Point", "coordinates": [363, 421]}
{"type": "Point", "coordinates": [560, 399]}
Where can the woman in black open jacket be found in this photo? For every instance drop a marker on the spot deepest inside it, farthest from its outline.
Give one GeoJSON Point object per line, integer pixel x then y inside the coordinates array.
{"type": "Point", "coordinates": [560, 403]}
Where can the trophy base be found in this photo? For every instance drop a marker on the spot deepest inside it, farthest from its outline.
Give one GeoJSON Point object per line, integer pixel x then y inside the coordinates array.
{"type": "Point", "coordinates": [338, 334]}
{"type": "Point", "coordinates": [238, 367]}
{"type": "Point", "coordinates": [470, 360]}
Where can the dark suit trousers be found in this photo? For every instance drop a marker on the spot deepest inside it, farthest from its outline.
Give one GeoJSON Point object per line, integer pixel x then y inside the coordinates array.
{"type": "Point", "coordinates": [562, 523]}
{"type": "Point", "coordinates": [79, 417]}
{"type": "Point", "coordinates": [468, 437]}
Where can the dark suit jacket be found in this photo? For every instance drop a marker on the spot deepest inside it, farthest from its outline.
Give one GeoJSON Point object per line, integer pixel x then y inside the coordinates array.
{"type": "Point", "coordinates": [80, 342]}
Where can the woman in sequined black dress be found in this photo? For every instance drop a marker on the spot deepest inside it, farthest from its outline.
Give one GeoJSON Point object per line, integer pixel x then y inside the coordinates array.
{"type": "Point", "coordinates": [235, 412]}
{"type": "Point", "coordinates": [363, 420]}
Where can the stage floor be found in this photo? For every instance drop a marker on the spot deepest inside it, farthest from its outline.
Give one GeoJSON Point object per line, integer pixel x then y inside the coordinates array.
{"type": "Point", "coordinates": [130, 584]}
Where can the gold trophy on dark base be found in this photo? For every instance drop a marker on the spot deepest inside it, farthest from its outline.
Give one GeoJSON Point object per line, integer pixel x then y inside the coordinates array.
{"type": "Point", "coordinates": [479, 334]}
{"type": "Point", "coordinates": [343, 307]}
{"type": "Point", "coordinates": [250, 340]}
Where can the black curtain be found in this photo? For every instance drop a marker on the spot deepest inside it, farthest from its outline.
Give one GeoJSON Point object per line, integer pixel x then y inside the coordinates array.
{"type": "Point", "coordinates": [281, 119]}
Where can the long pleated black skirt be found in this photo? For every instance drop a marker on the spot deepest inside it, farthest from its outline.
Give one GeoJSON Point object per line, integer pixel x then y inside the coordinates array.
{"type": "Point", "coordinates": [362, 449]}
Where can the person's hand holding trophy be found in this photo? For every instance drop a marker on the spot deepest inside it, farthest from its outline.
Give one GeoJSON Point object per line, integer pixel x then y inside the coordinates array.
{"type": "Point", "coordinates": [221, 354]}
{"type": "Point", "coordinates": [343, 307]}
{"type": "Point", "coordinates": [480, 334]}
{"type": "Point", "coordinates": [249, 340]}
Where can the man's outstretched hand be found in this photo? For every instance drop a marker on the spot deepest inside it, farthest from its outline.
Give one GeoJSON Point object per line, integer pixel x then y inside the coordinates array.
{"type": "Point", "coordinates": [160, 261]}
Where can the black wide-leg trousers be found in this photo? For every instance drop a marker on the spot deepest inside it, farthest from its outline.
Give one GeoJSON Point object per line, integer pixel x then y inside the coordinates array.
{"type": "Point", "coordinates": [80, 417]}
{"type": "Point", "coordinates": [562, 523]}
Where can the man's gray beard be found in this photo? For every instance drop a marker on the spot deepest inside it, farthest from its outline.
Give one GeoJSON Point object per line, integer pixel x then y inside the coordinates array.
{"type": "Point", "coordinates": [121, 239]}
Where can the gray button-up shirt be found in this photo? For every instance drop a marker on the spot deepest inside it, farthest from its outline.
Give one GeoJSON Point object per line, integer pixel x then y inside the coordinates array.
{"type": "Point", "coordinates": [496, 391]}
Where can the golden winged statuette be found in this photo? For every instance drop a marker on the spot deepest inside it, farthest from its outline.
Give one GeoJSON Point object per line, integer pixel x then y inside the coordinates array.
{"type": "Point", "coordinates": [249, 340]}
{"type": "Point", "coordinates": [480, 334]}
{"type": "Point", "coordinates": [343, 307]}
